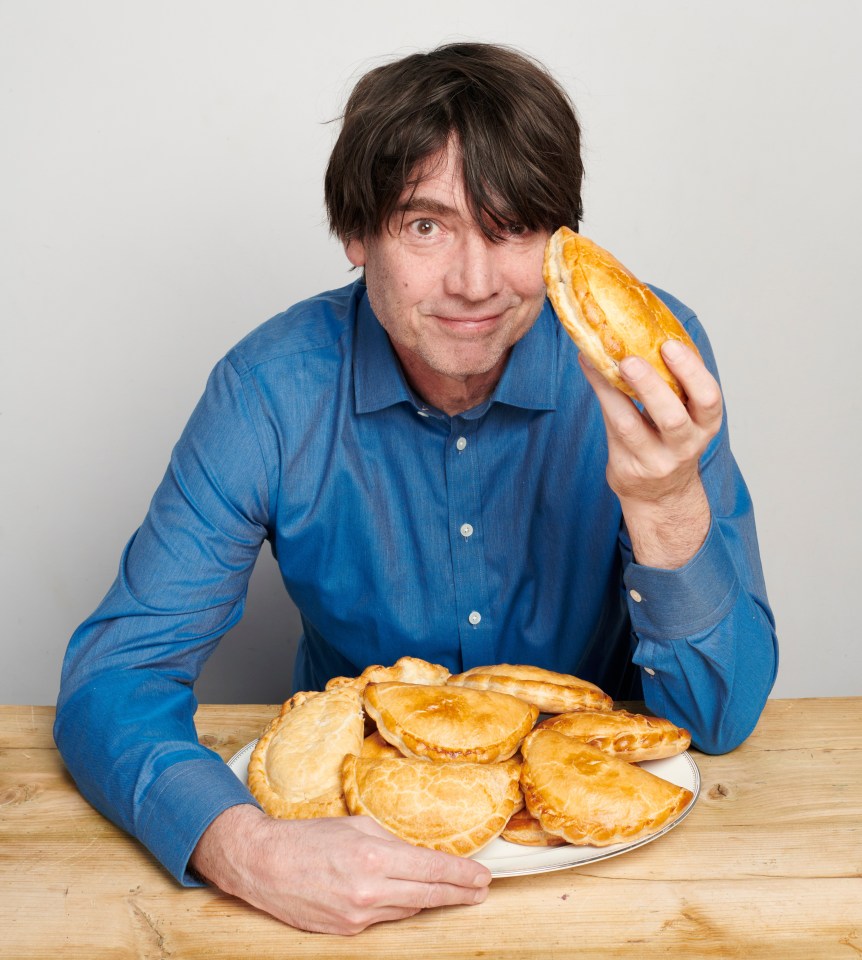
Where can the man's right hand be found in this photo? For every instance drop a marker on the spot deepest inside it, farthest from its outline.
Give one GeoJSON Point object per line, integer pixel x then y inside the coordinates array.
{"type": "Point", "coordinates": [337, 875]}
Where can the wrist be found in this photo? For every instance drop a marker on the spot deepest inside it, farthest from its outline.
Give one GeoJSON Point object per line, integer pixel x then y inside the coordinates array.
{"type": "Point", "coordinates": [667, 533]}
{"type": "Point", "coordinates": [222, 855]}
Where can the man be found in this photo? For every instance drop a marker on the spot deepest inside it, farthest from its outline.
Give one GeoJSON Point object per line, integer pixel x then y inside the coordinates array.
{"type": "Point", "coordinates": [436, 476]}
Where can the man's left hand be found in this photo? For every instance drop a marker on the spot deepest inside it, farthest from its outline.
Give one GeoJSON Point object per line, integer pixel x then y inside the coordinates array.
{"type": "Point", "coordinates": [653, 455]}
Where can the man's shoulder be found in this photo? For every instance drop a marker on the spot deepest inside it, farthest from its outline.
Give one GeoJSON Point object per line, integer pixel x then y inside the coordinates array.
{"type": "Point", "coordinates": [317, 323]}
{"type": "Point", "coordinates": [681, 311]}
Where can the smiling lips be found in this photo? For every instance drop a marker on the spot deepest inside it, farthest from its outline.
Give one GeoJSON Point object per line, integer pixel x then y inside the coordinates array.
{"type": "Point", "coordinates": [469, 324]}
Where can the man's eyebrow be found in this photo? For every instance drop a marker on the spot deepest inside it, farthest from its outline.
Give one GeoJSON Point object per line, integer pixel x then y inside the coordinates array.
{"type": "Point", "coordinates": [425, 205]}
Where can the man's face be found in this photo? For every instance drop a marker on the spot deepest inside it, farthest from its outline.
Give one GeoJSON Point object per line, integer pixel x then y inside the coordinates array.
{"type": "Point", "coordinates": [452, 301]}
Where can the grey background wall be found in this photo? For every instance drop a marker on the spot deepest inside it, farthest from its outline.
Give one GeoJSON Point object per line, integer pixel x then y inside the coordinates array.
{"type": "Point", "coordinates": [161, 177]}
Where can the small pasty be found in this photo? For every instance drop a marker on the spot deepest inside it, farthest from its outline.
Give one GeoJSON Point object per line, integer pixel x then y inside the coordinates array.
{"type": "Point", "coordinates": [550, 692]}
{"type": "Point", "coordinates": [405, 670]}
{"type": "Point", "coordinates": [587, 797]}
{"type": "Point", "coordinates": [523, 828]}
{"type": "Point", "coordinates": [295, 768]}
{"type": "Point", "coordinates": [375, 746]}
{"type": "Point", "coordinates": [455, 807]}
{"type": "Point", "coordinates": [627, 736]}
{"type": "Point", "coordinates": [449, 723]}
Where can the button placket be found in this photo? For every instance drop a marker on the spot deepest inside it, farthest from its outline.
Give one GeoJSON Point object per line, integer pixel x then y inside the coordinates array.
{"type": "Point", "coordinates": [463, 482]}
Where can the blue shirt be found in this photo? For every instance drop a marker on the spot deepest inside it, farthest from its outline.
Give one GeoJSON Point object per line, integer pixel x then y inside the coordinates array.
{"type": "Point", "coordinates": [481, 538]}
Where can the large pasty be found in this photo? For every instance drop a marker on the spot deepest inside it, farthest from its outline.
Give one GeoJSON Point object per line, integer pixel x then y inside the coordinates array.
{"type": "Point", "coordinates": [295, 769]}
{"type": "Point", "coordinates": [456, 807]}
{"type": "Point", "coordinates": [449, 723]}
{"type": "Point", "coordinates": [405, 670]}
{"type": "Point", "coordinates": [627, 736]}
{"type": "Point", "coordinates": [551, 692]}
{"type": "Point", "coordinates": [587, 797]}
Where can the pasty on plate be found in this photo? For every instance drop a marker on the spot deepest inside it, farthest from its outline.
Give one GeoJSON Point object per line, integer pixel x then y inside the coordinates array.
{"type": "Point", "coordinates": [525, 829]}
{"type": "Point", "coordinates": [550, 692]}
{"type": "Point", "coordinates": [375, 746]}
{"type": "Point", "coordinates": [627, 736]}
{"type": "Point", "coordinates": [449, 723]}
{"type": "Point", "coordinates": [587, 797]}
{"type": "Point", "coordinates": [405, 670]}
{"type": "Point", "coordinates": [295, 768]}
{"type": "Point", "coordinates": [455, 807]}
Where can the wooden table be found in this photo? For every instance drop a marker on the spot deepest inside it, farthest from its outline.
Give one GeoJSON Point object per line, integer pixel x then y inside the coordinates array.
{"type": "Point", "coordinates": [768, 864]}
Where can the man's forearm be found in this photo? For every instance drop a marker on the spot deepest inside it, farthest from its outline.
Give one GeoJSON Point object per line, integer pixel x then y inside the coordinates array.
{"type": "Point", "coordinates": [668, 534]}
{"type": "Point", "coordinates": [222, 851]}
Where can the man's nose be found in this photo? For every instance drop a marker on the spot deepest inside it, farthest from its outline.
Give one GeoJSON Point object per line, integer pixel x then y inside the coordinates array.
{"type": "Point", "coordinates": [474, 270]}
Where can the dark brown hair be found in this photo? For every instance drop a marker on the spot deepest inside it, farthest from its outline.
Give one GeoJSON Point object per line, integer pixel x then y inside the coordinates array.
{"type": "Point", "coordinates": [516, 129]}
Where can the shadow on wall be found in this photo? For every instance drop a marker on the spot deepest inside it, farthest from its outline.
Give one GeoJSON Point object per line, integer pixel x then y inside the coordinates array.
{"type": "Point", "coordinates": [254, 661]}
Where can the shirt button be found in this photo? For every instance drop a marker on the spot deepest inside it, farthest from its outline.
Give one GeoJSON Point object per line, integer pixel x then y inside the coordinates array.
{"type": "Point", "coordinates": [650, 671]}
{"type": "Point", "coordinates": [466, 530]}
{"type": "Point", "coordinates": [461, 443]}
{"type": "Point", "coordinates": [475, 617]}
{"type": "Point", "coordinates": [423, 412]}
{"type": "Point", "coordinates": [635, 596]}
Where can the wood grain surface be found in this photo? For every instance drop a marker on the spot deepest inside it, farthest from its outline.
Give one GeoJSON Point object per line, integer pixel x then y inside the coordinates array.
{"type": "Point", "coordinates": [768, 864]}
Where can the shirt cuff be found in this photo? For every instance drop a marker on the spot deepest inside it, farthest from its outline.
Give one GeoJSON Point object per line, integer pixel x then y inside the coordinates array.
{"type": "Point", "coordinates": [181, 804]}
{"type": "Point", "coordinates": [674, 604]}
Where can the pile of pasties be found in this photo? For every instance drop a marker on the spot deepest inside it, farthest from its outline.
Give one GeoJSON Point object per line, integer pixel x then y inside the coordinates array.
{"type": "Point", "coordinates": [451, 762]}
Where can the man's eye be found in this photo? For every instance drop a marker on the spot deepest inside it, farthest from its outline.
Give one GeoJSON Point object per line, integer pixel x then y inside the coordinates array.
{"type": "Point", "coordinates": [516, 229]}
{"type": "Point", "coordinates": [424, 227]}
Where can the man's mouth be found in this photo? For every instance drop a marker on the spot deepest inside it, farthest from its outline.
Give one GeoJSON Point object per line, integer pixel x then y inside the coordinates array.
{"type": "Point", "coordinates": [468, 324]}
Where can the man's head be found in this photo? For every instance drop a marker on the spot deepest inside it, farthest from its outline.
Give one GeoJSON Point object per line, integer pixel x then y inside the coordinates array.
{"type": "Point", "coordinates": [451, 171]}
{"type": "Point", "coordinates": [518, 137]}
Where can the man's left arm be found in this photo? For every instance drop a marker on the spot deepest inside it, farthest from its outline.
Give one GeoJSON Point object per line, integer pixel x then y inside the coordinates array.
{"type": "Point", "coordinates": [706, 638]}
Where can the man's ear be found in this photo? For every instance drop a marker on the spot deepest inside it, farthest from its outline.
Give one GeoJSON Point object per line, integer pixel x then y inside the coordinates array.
{"type": "Point", "coordinates": [355, 250]}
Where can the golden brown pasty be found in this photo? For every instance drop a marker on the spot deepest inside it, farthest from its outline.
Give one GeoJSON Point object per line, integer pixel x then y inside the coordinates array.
{"type": "Point", "coordinates": [587, 797]}
{"type": "Point", "coordinates": [550, 692]}
{"type": "Point", "coordinates": [456, 807]}
{"type": "Point", "coordinates": [375, 746]}
{"type": "Point", "coordinates": [295, 768]}
{"type": "Point", "coordinates": [627, 736]}
{"type": "Point", "coordinates": [405, 670]}
{"type": "Point", "coordinates": [606, 310]}
{"type": "Point", "coordinates": [449, 723]}
{"type": "Point", "coordinates": [523, 828]}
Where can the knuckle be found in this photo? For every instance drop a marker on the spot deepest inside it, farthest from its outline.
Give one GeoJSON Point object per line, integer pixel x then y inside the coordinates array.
{"type": "Point", "coordinates": [629, 427]}
{"type": "Point", "coordinates": [370, 858]}
{"type": "Point", "coordinates": [362, 897]}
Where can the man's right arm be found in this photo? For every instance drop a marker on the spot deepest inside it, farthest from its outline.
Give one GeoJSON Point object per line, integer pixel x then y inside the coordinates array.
{"type": "Point", "coordinates": [125, 724]}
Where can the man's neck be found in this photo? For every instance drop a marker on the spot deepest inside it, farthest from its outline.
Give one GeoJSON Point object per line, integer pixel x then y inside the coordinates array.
{"type": "Point", "coordinates": [449, 394]}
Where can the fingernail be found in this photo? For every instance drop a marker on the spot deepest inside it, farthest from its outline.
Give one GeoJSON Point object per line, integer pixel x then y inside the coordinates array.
{"type": "Point", "coordinates": [633, 368]}
{"type": "Point", "coordinates": [480, 895]}
{"type": "Point", "coordinates": [672, 350]}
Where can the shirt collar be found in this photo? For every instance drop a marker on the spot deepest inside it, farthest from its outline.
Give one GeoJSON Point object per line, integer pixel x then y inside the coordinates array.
{"type": "Point", "coordinates": [529, 380]}
{"type": "Point", "coordinates": [377, 378]}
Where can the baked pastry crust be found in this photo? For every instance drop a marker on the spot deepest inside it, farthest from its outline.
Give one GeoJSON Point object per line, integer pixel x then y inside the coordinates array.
{"type": "Point", "coordinates": [374, 746]}
{"type": "Point", "coordinates": [449, 723]}
{"type": "Point", "coordinates": [523, 828]}
{"type": "Point", "coordinates": [587, 797]}
{"type": "Point", "coordinates": [606, 310]}
{"type": "Point", "coordinates": [455, 807]}
{"type": "Point", "coordinates": [295, 768]}
{"type": "Point", "coordinates": [632, 737]}
{"type": "Point", "coordinates": [549, 691]}
{"type": "Point", "coordinates": [405, 670]}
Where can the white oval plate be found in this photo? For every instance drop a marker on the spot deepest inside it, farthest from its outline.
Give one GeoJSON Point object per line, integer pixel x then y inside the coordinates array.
{"type": "Point", "coordinates": [506, 859]}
